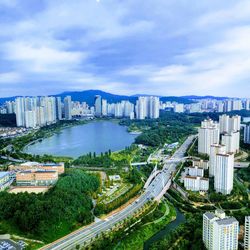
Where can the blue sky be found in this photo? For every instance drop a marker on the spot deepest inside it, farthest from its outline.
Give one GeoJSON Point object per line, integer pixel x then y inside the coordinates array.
{"type": "Point", "coordinates": [163, 47]}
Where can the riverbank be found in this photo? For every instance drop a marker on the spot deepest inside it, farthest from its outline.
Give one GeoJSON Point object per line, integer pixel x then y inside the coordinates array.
{"type": "Point", "coordinates": [149, 226]}
{"type": "Point", "coordinates": [180, 218]}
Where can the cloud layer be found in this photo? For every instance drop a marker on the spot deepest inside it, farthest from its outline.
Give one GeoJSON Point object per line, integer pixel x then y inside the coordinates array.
{"type": "Point", "coordinates": [127, 47]}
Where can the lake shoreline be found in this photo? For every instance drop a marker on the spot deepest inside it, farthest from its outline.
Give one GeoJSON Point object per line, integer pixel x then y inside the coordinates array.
{"type": "Point", "coordinates": [104, 131]}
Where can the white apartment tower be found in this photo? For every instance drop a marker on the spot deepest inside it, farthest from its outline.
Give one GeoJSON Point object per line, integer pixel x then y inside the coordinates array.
{"type": "Point", "coordinates": [229, 124]}
{"type": "Point", "coordinates": [20, 117]}
{"type": "Point", "coordinates": [214, 150]}
{"type": "Point", "coordinates": [30, 119]}
{"type": "Point", "coordinates": [58, 108]}
{"type": "Point", "coordinates": [154, 107]}
{"type": "Point", "coordinates": [141, 108]}
{"type": "Point", "coordinates": [98, 105]}
{"type": "Point", "coordinates": [104, 107]}
{"type": "Point", "coordinates": [147, 107]}
{"type": "Point", "coordinates": [67, 108]}
{"type": "Point", "coordinates": [220, 232]}
{"type": "Point", "coordinates": [223, 176]}
{"type": "Point", "coordinates": [234, 123]}
{"type": "Point", "coordinates": [208, 134]}
{"type": "Point", "coordinates": [231, 141]}
{"type": "Point", "coordinates": [224, 123]}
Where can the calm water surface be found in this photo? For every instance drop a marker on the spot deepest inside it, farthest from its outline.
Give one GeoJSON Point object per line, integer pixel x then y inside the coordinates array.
{"type": "Point", "coordinates": [97, 136]}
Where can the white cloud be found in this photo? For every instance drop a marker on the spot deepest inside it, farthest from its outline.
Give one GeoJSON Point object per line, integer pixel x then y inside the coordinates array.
{"type": "Point", "coordinates": [42, 58]}
{"type": "Point", "coordinates": [9, 77]}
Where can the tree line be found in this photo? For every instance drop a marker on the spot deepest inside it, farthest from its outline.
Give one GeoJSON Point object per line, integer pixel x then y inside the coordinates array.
{"type": "Point", "coordinates": [55, 213]}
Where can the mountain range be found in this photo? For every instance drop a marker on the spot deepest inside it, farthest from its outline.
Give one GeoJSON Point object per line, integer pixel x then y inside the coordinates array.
{"type": "Point", "coordinates": [88, 96]}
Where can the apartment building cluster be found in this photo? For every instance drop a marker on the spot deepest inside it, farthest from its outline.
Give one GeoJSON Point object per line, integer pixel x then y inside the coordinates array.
{"type": "Point", "coordinates": [118, 110]}
{"type": "Point", "coordinates": [220, 141]}
{"type": "Point", "coordinates": [33, 112]}
{"type": "Point", "coordinates": [36, 174]}
{"type": "Point", "coordinates": [146, 107]}
{"type": "Point", "coordinates": [208, 105]}
{"type": "Point", "coordinates": [221, 231]}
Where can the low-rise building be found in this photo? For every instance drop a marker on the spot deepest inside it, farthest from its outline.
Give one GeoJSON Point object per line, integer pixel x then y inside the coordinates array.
{"type": "Point", "coordinates": [36, 178]}
{"type": "Point", "coordinates": [58, 167]}
{"type": "Point", "coordinates": [196, 183]}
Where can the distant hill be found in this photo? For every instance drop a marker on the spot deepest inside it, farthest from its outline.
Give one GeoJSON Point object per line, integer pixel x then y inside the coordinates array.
{"type": "Point", "coordinates": [195, 97]}
{"type": "Point", "coordinates": [89, 96]}
{"type": "Point", "coordinates": [6, 99]}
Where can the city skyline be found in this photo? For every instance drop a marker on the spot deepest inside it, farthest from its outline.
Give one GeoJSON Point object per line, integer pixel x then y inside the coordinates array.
{"type": "Point", "coordinates": [175, 48]}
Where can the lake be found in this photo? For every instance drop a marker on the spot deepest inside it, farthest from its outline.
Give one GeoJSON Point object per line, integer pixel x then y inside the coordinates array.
{"type": "Point", "coordinates": [96, 136]}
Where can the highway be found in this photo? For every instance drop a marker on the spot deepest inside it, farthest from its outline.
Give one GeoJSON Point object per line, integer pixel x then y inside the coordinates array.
{"type": "Point", "coordinates": [153, 191]}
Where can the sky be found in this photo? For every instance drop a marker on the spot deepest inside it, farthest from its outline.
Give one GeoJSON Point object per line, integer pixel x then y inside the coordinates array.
{"type": "Point", "coordinates": [161, 47]}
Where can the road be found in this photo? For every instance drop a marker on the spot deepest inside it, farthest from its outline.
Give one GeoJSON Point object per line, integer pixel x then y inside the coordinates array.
{"type": "Point", "coordinates": [11, 159]}
{"type": "Point", "coordinates": [153, 191]}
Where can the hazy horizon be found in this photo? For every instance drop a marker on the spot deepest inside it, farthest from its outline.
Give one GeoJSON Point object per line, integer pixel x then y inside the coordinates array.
{"type": "Point", "coordinates": [113, 93]}
{"type": "Point", "coordinates": [155, 47]}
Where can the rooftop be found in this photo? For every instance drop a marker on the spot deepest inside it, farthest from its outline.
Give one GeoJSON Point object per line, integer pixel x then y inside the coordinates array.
{"type": "Point", "coordinates": [226, 221]}
{"type": "Point", "coordinates": [209, 215]}
{"type": "Point", "coordinates": [30, 163]}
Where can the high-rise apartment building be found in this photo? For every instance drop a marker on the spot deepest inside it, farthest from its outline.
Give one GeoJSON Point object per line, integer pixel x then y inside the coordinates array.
{"type": "Point", "coordinates": [214, 150]}
{"type": "Point", "coordinates": [231, 141]}
{"type": "Point", "coordinates": [104, 107]}
{"type": "Point", "coordinates": [219, 231]}
{"type": "Point", "coordinates": [30, 119]}
{"type": "Point", "coordinates": [228, 106]}
{"type": "Point", "coordinates": [179, 108]}
{"type": "Point", "coordinates": [223, 176]}
{"type": "Point", "coordinates": [224, 123]}
{"type": "Point", "coordinates": [147, 107]}
{"type": "Point", "coordinates": [20, 108]}
{"type": "Point", "coordinates": [237, 105]}
{"type": "Point", "coordinates": [220, 107]}
{"type": "Point", "coordinates": [142, 108]}
{"type": "Point", "coordinates": [154, 107]}
{"type": "Point", "coordinates": [229, 124]}
{"type": "Point", "coordinates": [234, 123]}
{"type": "Point", "coordinates": [98, 105]}
{"type": "Point", "coordinates": [58, 108]}
{"type": "Point", "coordinates": [67, 108]}
{"type": "Point", "coordinates": [208, 134]}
